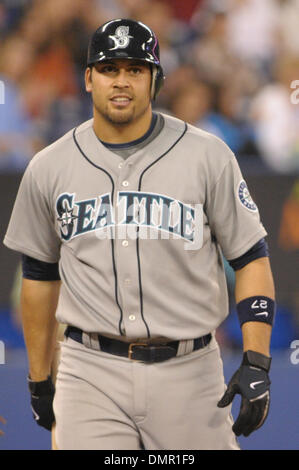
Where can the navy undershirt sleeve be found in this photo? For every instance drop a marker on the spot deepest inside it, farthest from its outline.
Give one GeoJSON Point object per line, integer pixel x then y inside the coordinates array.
{"type": "Point", "coordinates": [259, 250]}
{"type": "Point", "coordinates": [37, 270]}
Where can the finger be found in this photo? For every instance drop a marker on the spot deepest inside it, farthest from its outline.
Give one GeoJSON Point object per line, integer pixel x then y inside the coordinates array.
{"type": "Point", "coordinates": [258, 412]}
{"type": "Point", "coordinates": [227, 397]}
{"type": "Point", "coordinates": [253, 420]}
{"type": "Point", "coordinates": [243, 417]}
{"type": "Point", "coordinates": [263, 405]}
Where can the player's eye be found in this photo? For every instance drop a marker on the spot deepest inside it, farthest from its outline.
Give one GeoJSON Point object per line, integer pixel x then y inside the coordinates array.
{"type": "Point", "coordinates": [135, 70]}
{"type": "Point", "coordinates": [108, 69]}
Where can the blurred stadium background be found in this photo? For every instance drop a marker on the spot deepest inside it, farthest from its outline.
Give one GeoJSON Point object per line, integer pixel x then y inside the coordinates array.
{"type": "Point", "coordinates": [231, 68]}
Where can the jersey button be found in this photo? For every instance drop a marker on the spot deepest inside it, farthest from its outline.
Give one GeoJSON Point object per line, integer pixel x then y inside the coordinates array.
{"type": "Point", "coordinates": [125, 183]}
{"type": "Point", "coordinates": [120, 165]}
{"type": "Point", "coordinates": [125, 243]}
{"type": "Point", "coordinates": [132, 318]}
{"type": "Point", "coordinates": [127, 282]}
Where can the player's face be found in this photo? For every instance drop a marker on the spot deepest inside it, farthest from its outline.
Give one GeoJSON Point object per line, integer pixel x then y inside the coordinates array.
{"type": "Point", "coordinates": [120, 90]}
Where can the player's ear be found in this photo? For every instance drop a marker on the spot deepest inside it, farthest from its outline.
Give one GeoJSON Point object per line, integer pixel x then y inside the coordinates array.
{"type": "Point", "coordinates": [88, 79]}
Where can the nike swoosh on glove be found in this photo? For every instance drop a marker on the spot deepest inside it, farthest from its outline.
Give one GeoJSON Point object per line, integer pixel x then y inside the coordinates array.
{"type": "Point", "coordinates": [252, 382]}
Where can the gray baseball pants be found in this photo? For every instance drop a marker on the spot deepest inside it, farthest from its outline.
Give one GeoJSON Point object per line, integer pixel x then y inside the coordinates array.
{"type": "Point", "coordinates": [109, 402]}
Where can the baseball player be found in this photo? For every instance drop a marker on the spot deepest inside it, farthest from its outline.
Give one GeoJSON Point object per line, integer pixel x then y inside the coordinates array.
{"type": "Point", "coordinates": [122, 224]}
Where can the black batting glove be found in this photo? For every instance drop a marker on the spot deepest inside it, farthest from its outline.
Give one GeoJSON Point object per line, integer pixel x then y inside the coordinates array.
{"type": "Point", "coordinates": [42, 395]}
{"type": "Point", "coordinates": [252, 382]}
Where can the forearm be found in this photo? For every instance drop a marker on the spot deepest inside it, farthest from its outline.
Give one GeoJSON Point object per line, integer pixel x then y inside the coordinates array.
{"type": "Point", "coordinates": [255, 279]}
{"type": "Point", "coordinates": [38, 306]}
{"type": "Point", "coordinates": [257, 337]}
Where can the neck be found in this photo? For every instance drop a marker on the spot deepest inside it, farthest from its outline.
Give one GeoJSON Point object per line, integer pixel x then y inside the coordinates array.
{"type": "Point", "coordinates": [121, 133]}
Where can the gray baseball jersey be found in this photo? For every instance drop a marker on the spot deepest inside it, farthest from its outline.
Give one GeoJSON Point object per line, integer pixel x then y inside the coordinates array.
{"type": "Point", "coordinates": [139, 241]}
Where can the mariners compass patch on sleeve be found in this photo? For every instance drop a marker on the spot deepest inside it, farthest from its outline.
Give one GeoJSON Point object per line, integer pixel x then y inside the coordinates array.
{"type": "Point", "coordinates": [245, 198]}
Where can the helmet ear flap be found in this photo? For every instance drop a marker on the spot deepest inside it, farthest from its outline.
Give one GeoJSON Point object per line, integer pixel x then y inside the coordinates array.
{"type": "Point", "coordinates": [157, 81]}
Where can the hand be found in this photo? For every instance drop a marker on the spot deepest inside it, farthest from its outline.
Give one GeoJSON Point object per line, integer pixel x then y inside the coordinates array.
{"type": "Point", "coordinates": [252, 382]}
{"type": "Point", "coordinates": [2, 420]}
{"type": "Point", "coordinates": [42, 395]}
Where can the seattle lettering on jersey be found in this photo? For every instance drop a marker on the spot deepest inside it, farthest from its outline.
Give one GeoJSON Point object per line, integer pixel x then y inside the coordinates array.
{"type": "Point", "coordinates": [134, 208]}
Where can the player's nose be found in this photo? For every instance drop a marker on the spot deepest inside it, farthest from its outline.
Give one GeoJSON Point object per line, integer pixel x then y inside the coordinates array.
{"type": "Point", "coordinates": [121, 80]}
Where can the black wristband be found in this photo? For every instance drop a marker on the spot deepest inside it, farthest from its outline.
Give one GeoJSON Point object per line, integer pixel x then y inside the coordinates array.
{"type": "Point", "coordinates": [255, 359]}
{"type": "Point", "coordinates": [45, 387]}
{"type": "Point", "coordinates": [258, 308]}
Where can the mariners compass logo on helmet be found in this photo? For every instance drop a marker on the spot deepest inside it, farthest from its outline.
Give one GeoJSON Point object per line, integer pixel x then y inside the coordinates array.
{"type": "Point", "coordinates": [121, 37]}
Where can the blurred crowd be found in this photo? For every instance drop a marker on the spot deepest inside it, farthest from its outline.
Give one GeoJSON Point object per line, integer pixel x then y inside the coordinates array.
{"type": "Point", "coordinates": [229, 66]}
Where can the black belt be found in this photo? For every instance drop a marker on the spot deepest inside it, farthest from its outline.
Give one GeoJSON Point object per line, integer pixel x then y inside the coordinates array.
{"type": "Point", "coordinates": [142, 352]}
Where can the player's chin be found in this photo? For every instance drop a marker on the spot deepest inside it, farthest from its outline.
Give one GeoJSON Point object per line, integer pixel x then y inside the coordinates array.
{"type": "Point", "coordinates": [121, 116]}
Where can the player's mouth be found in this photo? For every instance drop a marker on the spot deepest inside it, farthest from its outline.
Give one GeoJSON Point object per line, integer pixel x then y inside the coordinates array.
{"type": "Point", "coordinates": [121, 101]}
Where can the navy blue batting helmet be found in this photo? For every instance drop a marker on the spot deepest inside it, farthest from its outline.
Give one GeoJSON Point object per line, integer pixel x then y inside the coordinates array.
{"type": "Point", "coordinates": [127, 39]}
